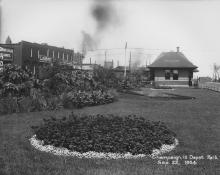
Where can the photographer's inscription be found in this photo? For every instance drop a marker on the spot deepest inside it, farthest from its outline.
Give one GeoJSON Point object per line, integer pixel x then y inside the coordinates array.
{"type": "Point", "coordinates": [185, 159]}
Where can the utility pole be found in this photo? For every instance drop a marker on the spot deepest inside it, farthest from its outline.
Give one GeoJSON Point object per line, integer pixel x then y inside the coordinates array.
{"type": "Point", "coordinates": [125, 60]}
{"type": "Point", "coordinates": [84, 51]}
{"type": "Point", "coordinates": [81, 58]}
{"type": "Point", "coordinates": [148, 59]}
{"type": "Point", "coordinates": [130, 62]}
{"type": "Point", "coordinates": [73, 58]}
{"type": "Point", "coordinates": [105, 58]}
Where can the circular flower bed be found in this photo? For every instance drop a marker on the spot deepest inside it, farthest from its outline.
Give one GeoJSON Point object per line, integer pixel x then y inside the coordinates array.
{"type": "Point", "coordinates": [103, 136]}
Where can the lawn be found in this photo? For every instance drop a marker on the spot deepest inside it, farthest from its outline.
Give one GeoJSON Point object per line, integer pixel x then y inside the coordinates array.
{"type": "Point", "coordinates": [196, 123]}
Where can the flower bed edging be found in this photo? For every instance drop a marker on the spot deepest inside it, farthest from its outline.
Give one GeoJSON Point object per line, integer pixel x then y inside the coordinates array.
{"type": "Point", "coordinates": [38, 144]}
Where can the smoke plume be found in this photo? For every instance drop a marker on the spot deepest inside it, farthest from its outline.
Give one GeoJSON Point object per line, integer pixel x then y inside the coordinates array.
{"type": "Point", "coordinates": [105, 15]}
{"type": "Point", "coordinates": [88, 42]}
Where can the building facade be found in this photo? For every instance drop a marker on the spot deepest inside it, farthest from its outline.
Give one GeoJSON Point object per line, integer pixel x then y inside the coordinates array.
{"type": "Point", "coordinates": [6, 56]}
{"type": "Point", "coordinates": [109, 64]}
{"type": "Point", "coordinates": [172, 69]}
{"type": "Point", "coordinates": [34, 55]}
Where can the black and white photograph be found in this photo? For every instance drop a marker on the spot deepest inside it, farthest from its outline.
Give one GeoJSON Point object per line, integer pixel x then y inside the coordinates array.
{"type": "Point", "coordinates": [109, 87]}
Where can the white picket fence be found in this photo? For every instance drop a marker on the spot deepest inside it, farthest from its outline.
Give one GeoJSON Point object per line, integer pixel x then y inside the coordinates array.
{"type": "Point", "coordinates": [210, 85]}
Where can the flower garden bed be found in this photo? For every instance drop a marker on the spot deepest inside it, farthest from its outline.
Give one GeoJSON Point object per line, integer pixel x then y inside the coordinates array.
{"type": "Point", "coordinates": [21, 91]}
{"type": "Point", "coordinates": [103, 136]}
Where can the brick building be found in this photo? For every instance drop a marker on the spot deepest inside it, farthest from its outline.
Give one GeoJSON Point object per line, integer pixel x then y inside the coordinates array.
{"type": "Point", "coordinates": [34, 55]}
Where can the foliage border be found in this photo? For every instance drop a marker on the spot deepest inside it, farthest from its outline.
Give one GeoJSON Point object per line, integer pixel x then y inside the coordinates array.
{"type": "Point", "coordinates": [38, 144]}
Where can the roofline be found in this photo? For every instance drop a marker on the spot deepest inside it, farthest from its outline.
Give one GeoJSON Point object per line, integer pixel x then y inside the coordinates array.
{"type": "Point", "coordinates": [195, 67]}
{"type": "Point", "coordinates": [3, 44]}
{"type": "Point", "coordinates": [22, 41]}
{"type": "Point", "coordinates": [159, 57]}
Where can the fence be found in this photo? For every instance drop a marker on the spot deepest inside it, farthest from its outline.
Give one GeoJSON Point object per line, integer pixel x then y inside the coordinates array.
{"type": "Point", "coordinates": [210, 85]}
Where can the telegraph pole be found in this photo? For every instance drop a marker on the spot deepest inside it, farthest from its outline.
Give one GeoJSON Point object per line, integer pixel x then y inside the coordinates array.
{"type": "Point", "coordinates": [105, 58]}
{"type": "Point", "coordinates": [105, 55]}
{"type": "Point", "coordinates": [130, 62]}
{"type": "Point", "coordinates": [125, 60]}
{"type": "Point", "coordinates": [73, 60]}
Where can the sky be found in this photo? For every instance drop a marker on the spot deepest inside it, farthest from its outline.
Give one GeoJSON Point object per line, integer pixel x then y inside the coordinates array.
{"type": "Point", "coordinates": [101, 28]}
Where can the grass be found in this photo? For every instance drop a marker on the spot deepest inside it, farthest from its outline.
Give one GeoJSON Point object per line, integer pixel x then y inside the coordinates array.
{"type": "Point", "coordinates": [196, 123]}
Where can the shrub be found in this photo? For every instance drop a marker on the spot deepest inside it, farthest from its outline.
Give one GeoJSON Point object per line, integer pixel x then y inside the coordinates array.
{"type": "Point", "coordinates": [9, 105]}
{"type": "Point", "coordinates": [105, 134]}
{"type": "Point", "coordinates": [79, 89]}
{"type": "Point", "coordinates": [16, 81]}
{"type": "Point", "coordinates": [39, 104]}
{"type": "Point", "coordinates": [80, 99]}
{"type": "Point", "coordinates": [54, 103]}
{"type": "Point", "coordinates": [106, 77]}
{"type": "Point", "coordinates": [15, 74]}
{"type": "Point", "coordinates": [25, 104]}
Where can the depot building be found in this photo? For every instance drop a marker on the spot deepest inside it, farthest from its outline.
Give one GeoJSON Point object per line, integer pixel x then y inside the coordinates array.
{"type": "Point", "coordinates": [172, 69]}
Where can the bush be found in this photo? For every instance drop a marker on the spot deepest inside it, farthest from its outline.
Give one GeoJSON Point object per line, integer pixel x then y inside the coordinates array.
{"type": "Point", "coordinates": [80, 99]}
{"type": "Point", "coordinates": [25, 104]}
{"type": "Point", "coordinates": [9, 105]}
{"type": "Point", "coordinates": [57, 88]}
{"type": "Point", "coordinates": [106, 77]}
{"type": "Point", "coordinates": [29, 104]}
{"type": "Point", "coordinates": [54, 103]}
{"type": "Point", "coordinates": [105, 134]}
{"type": "Point", "coordinates": [15, 74]}
{"type": "Point", "coordinates": [16, 81]}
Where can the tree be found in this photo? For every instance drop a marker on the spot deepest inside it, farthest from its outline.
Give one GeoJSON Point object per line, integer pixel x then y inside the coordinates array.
{"type": "Point", "coordinates": [8, 40]}
{"type": "Point", "coordinates": [105, 76]}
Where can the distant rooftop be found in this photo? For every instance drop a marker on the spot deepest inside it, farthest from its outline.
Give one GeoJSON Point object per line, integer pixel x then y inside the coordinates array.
{"type": "Point", "coordinates": [121, 68]}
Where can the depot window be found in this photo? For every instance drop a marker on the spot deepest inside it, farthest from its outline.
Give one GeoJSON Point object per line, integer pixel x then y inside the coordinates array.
{"type": "Point", "coordinates": [175, 74]}
{"type": "Point", "coordinates": [167, 74]}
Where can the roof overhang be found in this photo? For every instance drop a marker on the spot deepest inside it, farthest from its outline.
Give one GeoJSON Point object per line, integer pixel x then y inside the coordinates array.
{"type": "Point", "coordinates": [172, 67]}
